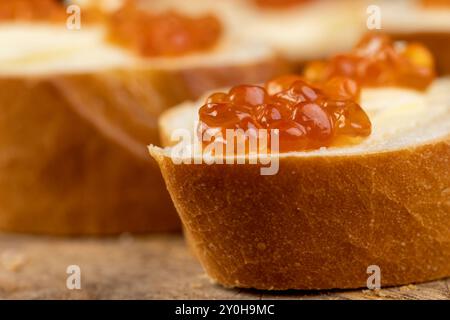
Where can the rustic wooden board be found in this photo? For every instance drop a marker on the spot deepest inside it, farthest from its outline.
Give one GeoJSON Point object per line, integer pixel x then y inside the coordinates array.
{"type": "Point", "coordinates": [152, 267]}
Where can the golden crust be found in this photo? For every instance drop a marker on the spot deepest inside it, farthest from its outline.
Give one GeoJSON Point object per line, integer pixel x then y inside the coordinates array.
{"type": "Point", "coordinates": [321, 221]}
{"type": "Point", "coordinates": [74, 158]}
{"type": "Point", "coordinates": [60, 175]}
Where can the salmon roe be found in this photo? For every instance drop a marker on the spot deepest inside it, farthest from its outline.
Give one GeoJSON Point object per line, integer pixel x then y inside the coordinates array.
{"type": "Point", "coordinates": [379, 61]}
{"type": "Point", "coordinates": [279, 3]}
{"type": "Point", "coordinates": [435, 3]}
{"type": "Point", "coordinates": [32, 10]}
{"type": "Point", "coordinates": [163, 34]}
{"type": "Point", "coordinates": [307, 116]}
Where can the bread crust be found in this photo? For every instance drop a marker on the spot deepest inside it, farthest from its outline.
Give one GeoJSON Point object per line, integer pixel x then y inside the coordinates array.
{"type": "Point", "coordinates": [321, 221]}
{"type": "Point", "coordinates": [74, 159]}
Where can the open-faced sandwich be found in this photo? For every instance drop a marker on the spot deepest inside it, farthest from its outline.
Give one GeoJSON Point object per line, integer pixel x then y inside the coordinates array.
{"type": "Point", "coordinates": [297, 30]}
{"type": "Point", "coordinates": [80, 98]}
{"type": "Point", "coordinates": [350, 170]}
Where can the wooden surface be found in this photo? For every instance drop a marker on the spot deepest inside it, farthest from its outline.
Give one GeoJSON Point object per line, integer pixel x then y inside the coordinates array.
{"type": "Point", "coordinates": [153, 267]}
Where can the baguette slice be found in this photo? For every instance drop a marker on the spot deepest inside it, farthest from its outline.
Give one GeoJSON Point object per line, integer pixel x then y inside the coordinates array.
{"type": "Point", "coordinates": [77, 114]}
{"type": "Point", "coordinates": [329, 214]}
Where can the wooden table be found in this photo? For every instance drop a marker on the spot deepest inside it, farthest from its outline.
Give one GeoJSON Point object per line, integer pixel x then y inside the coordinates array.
{"type": "Point", "coordinates": [152, 267]}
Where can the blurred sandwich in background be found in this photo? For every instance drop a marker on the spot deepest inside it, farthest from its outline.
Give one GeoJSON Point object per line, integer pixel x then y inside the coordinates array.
{"type": "Point", "coordinates": [80, 106]}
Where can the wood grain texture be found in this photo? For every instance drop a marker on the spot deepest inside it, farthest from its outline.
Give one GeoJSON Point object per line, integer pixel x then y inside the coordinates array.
{"type": "Point", "coordinates": [153, 267]}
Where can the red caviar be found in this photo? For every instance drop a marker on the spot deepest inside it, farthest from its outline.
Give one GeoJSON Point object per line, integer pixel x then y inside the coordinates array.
{"type": "Point", "coordinates": [379, 61]}
{"type": "Point", "coordinates": [307, 117]}
{"type": "Point", "coordinates": [435, 3]}
{"type": "Point", "coordinates": [162, 34]}
{"type": "Point", "coordinates": [32, 10]}
{"type": "Point", "coordinates": [280, 3]}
